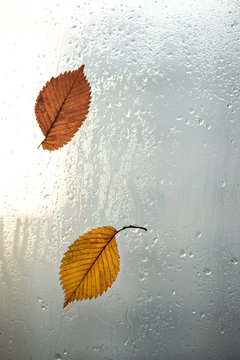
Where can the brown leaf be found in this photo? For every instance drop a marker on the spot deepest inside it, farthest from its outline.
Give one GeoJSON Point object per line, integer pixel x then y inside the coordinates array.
{"type": "Point", "coordinates": [91, 264]}
{"type": "Point", "coordinates": [61, 107]}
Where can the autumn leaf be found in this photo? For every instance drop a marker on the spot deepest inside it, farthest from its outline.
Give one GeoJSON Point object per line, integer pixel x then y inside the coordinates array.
{"type": "Point", "coordinates": [61, 108]}
{"type": "Point", "coordinates": [91, 264]}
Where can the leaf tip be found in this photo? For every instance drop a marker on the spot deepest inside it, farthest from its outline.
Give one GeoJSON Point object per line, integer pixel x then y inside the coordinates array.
{"type": "Point", "coordinates": [65, 304]}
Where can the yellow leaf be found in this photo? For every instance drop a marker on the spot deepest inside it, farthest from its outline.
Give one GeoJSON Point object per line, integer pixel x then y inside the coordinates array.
{"type": "Point", "coordinates": [91, 264]}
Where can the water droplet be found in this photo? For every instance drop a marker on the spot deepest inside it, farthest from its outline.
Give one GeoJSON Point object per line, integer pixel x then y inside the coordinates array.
{"type": "Point", "coordinates": [97, 348]}
{"type": "Point", "coordinates": [190, 254]}
{"type": "Point", "coordinates": [44, 307]}
{"type": "Point", "coordinates": [57, 357]}
{"type": "Point", "coordinates": [207, 271]}
{"type": "Point", "coordinates": [234, 261]}
{"type": "Point", "coordinates": [173, 292]}
{"type": "Point", "coordinates": [194, 311]}
{"type": "Point", "coordinates": [223, 184]}
{"type": "Point", "coordinates": [141, 277]}
{"type": "Point", "coordinates": [182, 253]}
{"type": "Point", "coordinates": [179, 118]}
{"type": "Point", "coordinates": [39, 300]}
{"type": "Point", "coordinates": [70, 196]}
{"type": "Point", "coordinates": [144, 259]}
{"type": "Point", "coordinates": [202, 314]}
{"type": "Point", "coordinates": [65, 352]}
{"type": "Point", "coordinates": [155, 240]}
{"type": "Point", "coordinates": [222, 331]}
{"type": "Point", "coordinates": [128, 114]}
{"type": "Point", "coordinates": [198, 234]}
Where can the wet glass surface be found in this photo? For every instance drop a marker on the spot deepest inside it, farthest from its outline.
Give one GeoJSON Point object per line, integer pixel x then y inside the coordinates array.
{"type": "Point", "coordinates": [159, 148]}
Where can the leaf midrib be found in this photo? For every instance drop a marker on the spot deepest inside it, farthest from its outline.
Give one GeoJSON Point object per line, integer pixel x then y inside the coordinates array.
{"type": "Point", "coordinates": [91, 266]}
{"type": "Point", "coordinates": [65, 99]}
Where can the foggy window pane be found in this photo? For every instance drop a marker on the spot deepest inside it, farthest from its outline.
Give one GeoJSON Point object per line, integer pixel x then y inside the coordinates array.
{"type": "Point", "coordinates": [160, 148]}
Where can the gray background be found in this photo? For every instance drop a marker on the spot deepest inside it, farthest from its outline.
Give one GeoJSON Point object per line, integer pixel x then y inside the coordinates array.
{"type": "Point", "coordinates": [159, 148]}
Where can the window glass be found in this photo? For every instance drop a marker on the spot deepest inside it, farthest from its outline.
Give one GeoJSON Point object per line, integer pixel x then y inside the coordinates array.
{"type": "Point", "coordinates": [159, 148]}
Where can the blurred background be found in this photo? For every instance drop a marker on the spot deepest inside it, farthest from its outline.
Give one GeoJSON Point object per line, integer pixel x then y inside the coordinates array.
{"type": "Point", "coordinates": [160, 148]}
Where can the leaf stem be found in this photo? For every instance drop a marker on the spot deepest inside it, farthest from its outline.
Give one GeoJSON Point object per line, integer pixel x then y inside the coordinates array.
{"type": "Point", "coordinates": [131, 227]}
{"type": "Point", "coordinates": [40, 145]}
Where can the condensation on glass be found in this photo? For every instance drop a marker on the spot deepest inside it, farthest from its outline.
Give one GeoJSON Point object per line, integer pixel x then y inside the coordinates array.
{"type": "Point", "coordinates": [160, 148]}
